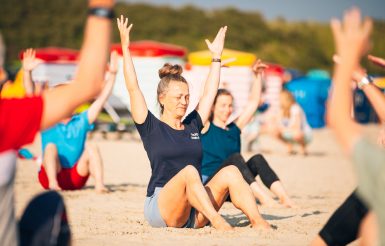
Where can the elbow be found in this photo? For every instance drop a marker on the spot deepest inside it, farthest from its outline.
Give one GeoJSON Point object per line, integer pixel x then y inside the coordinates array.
{"type": "Point", "coordinates": [330, 118]}
{"type": "Point", "coordinates": [97, 88]}
{"type": "Point", "coordinates": [93, 89]}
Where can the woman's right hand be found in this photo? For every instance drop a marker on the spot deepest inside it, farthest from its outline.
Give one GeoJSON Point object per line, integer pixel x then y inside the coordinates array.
{"type": "Point", "coordinates": [124, 31]}
{"type": "Point", "coordinates": [29, 60]}
{"type": "Point", "coordinates": [351, 36]}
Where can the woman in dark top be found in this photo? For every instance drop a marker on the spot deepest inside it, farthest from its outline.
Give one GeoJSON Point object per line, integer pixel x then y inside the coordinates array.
{"type": "Point", "coordinates": [174, 149]}
{"type": "Point", "coordinates": [222, 144]}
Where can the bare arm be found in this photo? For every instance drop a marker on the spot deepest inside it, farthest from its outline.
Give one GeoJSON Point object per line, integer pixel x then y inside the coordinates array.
{"type": "Point", "coordinates": [350, 39]}
{"type": "Point", "coordinates": [376, 97]}
{"type": "Point", "coordinates": [62, 101]}
{"type": "Point", "coordinates": [138, 104]}
{"type": "Point", "coordinates": [97, 105]}
{"type": "Point", "coordinates": [212, 81]}
{"type": "Point", "coordinates": [29, 63]}
{"type": "Point", "coordinates": [255, 96]}
{"type": "Point", "coordinates": [377, 60]}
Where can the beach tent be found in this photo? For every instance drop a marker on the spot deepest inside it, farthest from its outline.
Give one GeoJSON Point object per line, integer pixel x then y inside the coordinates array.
{"type": "Point", "coordinates": [274, 78]}
{"type": "Point", "coordinates": [14, 89]}
{"type": "Point", "coordinates": [236, 78]}
{"type": "Point", "coordinates": [148, 57]}
{"type": "Point", "coordinates": [58, 65]}
{"type": "Point", "coordinates": [311, 93]}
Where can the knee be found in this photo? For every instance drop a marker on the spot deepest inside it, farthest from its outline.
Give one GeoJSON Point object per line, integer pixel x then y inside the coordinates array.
{"type": "Point", "coordinates": [50, 149]}
{"type": "Point", "coordinates": [257, 158]}
{"type": "Point", "coordinates": [91, 147]}
{"type": "Point", "coordinates": [298, 136]}
{"type": "Point", "coordinates": [191, 172]}
{"type": "Point", "coordinates": [231, 172]}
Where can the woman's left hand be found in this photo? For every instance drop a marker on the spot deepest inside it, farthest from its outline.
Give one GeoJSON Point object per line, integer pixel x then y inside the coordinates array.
{"type": "Point", "coordinates": [216, 47]}
{"type": "Point", "coordinates": [259, 67]}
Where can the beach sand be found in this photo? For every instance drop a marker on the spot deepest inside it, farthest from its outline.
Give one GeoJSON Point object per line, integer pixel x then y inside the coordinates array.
{"type": "Point", "coordinates": [318, 184]}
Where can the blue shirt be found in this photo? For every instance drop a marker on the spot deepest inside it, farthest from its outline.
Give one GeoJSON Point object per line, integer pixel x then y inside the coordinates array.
{"type": "Point", "coordinates": [218, 145]}
{"type": "Point", "coordinates": [170, 150]}
{"type": "Point", "coordinates": [69, 139]}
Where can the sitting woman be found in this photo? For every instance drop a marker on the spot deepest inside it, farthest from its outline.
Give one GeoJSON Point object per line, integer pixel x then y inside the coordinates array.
{"type": "Point", "coordinates": [222, 144]}
{"type": "Point", "coordinates": [68, 160]}
{"type": "Point", "coordinates": [292, 124]}
{"type": "Point", "coordinates": [176, 196]}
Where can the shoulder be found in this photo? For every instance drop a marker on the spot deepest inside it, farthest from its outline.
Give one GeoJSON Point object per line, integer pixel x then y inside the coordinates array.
{"type": "Point", "coordinates": [194, 118]}
{"type": "Point", "coordinates": [233, 127]}
{"type": "Point", "coordinates": [194, 115]}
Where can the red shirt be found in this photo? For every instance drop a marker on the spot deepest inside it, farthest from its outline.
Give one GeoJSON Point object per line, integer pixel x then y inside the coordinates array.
{"type": "Point", "coordinates": [20, 120]}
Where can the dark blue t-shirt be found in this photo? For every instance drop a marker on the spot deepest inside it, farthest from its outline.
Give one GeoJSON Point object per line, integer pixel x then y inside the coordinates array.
{"type": "Point", "coordinates": [218, 144]}
{"type": "Point", "coordinates": [170, 150]}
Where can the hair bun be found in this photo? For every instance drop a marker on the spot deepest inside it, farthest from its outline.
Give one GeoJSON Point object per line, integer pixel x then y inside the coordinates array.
{"type": "Point", "coordinates": [169, 69]}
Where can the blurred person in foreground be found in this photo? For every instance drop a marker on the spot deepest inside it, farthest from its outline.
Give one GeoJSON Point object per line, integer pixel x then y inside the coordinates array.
{"type": "Point", "coordinates": [351, 39]}
{"type": "Point", "coordinates": [21, 119]}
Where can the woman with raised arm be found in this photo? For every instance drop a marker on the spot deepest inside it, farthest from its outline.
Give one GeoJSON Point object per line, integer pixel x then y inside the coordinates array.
{"type": "Point", "coordinates": [68, 160]}
{"type": "Point", "coordinates": [176, 196]}
{"type": "Point", "coordinates": [353, 217]}
{"type": "Point", "coordinates": [222, 144]}
{"type": "Point", "coordinates": [21, 119]}
{"type": "Point", "coordinates": [351, 40]}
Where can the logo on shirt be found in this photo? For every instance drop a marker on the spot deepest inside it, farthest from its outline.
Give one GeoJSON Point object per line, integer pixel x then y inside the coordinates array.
{"type": "Point", "coordinates": [194, 135]}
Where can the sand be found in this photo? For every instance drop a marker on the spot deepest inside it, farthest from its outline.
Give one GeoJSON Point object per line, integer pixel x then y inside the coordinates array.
{"type": "Point", "coordinates": [318, 184]}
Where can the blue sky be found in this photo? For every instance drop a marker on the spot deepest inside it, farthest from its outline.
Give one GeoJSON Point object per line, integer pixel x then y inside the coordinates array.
{"type": "Point", "coordinates": [318, 10]}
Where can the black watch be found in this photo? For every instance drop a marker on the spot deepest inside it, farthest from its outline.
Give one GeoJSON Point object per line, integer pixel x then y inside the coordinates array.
{"type": "Point", "coordinates": [102, 12]}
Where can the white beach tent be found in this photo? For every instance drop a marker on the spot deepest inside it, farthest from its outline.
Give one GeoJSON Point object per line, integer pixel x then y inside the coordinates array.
{"type": "Point", "coordinates": [237, 77]}
{"type": "Point", "coordinates": [58, 65]}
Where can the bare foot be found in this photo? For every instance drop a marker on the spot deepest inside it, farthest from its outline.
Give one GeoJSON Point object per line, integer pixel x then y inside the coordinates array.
{"type": "Point", "coordinates": [261, 224]}
{"type": "Point", "coordinates": [220, 223]}
{"type": "Point", "coordinates": [54, 186]}
{"type": "Point", "coordinates": [303, 151]}
{"type": "Point", "coordinates": [286, 202]}
{"type": "Point", "coordinates": [102, 189]}
{"type": "Point", "coordinates": [269, 202]}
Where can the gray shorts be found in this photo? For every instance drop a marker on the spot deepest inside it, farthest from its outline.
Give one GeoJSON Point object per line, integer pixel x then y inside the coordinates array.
{"type": "Point", "coordinates": [152, 214]}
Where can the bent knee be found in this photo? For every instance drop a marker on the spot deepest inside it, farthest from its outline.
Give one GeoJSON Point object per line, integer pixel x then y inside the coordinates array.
{"type": "Point", "coordinates": [91, 147]}
{"type": "Point", "coordinates": [231, 172]}
{"type": "Point", "coordinates": [191, 171]}
{"type": "Point", "coordinates": [258, 158]}
{"type": "Point", "coordinates": [50, 149]}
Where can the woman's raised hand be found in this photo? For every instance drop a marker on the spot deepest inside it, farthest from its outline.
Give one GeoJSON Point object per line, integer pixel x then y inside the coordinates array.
{"type": "Point", "coordinates": [29, 60]}
{"type": "Point", "coordinates": [259, 67]}
{"type": "Point", "coordinates": [124, 31]}
{"type": "Point", "coordinates": [216, 47]}
{"type": "Point", "coordinates": [351, 36]}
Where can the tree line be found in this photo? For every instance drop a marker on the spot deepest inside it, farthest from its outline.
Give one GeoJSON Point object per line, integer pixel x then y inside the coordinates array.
{"type": "Point", "coordinates": [301, 45]}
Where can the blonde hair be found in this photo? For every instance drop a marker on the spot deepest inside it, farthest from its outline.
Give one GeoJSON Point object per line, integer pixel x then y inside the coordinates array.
{"type": "Point", "coordinates": [287, 100]}
{"type": "Point", "coordinates": [167, 74]}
